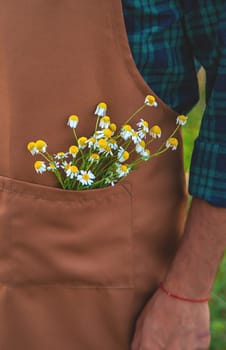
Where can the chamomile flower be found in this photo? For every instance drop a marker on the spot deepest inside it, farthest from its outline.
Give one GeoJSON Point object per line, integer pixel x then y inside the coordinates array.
{"type": "Point", "coordinates": [94, 158]}
{"type": "Point", "coordinates": [143, 124]}
{"type": "Point", "coordinates": [143, 128]}
{"type": "Point", "coordinates": [92, 142]}
{"type": "Point", "coordinates": [113, 144]}
{"type": "Point", "coordinates": [181, 120]}
{"type": "Point", "coordinates": [40, 166]}
{"type": "Point", "coordinates": [172, 142]}
{"type": "Point", "coordinates": [66, 165]}
{"type": "Point", "coordinates": [41, 146]}
{"type": "Point", "coordinates": [113, 127]}
{"type": "Point", "coordinates": [104, 147]}
{"type": "Point", "coordinates": [150, 101]}
{"type": "Point", "coordinates": [122, 170]}
{"type": "Point", "coordinates": [123, 155]}
{"type": "Point", "coordinates": [140, 146]}
{"type": "Point", "coordinates": [108, 133]}
{"type": "Point", "coordinates": [82, 142]}
{"type": "Point", "coordinates": [107, 151]}
{"type": "Point", "coordinates": [105, 133]}
{"type": "Point", "coordinates": [101, 109]}
{"type": "Point", "coordinates": [155, 131]}
{"type": "Point", "coordinates": [72, 171]}
{"type": "Point", "coordinates": [73, 121]}
{"type": "Point", "coordinates": [105, 122]}
{"type": "Point", "coordinates": [31, 146]}
{"type": "Point", "coordinates": [73, 150]}
{"type": "Point", "coordinates": [126, 132]}
{"type": "Point", "coordinates": [53, 166]}
{"type": "Point", "coordinates": [60, 155]}
{"type": "Point", "coordinates": [135, 137]}
{"type": "Point", "coordinates": [145, 154]}
{"type": "Point", "coordinates": [86, 177]}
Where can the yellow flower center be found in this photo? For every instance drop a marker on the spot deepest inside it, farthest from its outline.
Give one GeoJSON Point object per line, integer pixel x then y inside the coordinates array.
{"type": "Point", "coordinates": [124, 168]}
{"type": "Point", "coordinates": [151, 99]}
{"type": "Point", "coordinates": [173, 141]}
{"type": "Point", "coordinates": [127, 127]}
{"type": "Point", "coordinates": [102, 143]}
{"type": "Point", "coordinates": [156, 130]}
{"type": "Point", "coordinates": [82, 141]}
{"type": "Point", "coordinates": [38, 164]}
{"type": "Point", "coordinates": [73, 149]}
{"type": "Point", "coordinates": [60, 154]}
{"type": "Point", "coordinates": [52, 166]}
{"type": "Point", "coordinates": [67, 166]}
{"type": "Point", "coordinates": [108, 133]}
{"type": "Point", "coordinates": [95, 156]}
{"type": "Point", "coordinates": [182, 117]}
{"type": "Point", "coordinates": [145, 123]}
{"type": "Point", "coordinates": [92, 140]}
{"type": "Point", "coordinates": [105, 119]}
{"type": "Point", "coordinates": [113, 127]}
{"type": "Point", "coordinates": [142, 144]}
{"type": "Point", "coordinates": [73, 169]}
{"type": "Point", "coordinates": [74, 118]}
{"type": "Point", "coordinates": [102, 105]}
{"type": "Point", "coordinates": [125, 155]}
{"type": "Point", "coordinates": [86, 177]}
{"type": "Point", "coordinates": [31, 146]}
{"type": "Point", "coordinates": [40, 144]}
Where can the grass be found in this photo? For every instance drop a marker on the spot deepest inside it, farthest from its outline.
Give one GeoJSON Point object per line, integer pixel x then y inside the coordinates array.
{"type": "Point", "coordinates": [218, 300]}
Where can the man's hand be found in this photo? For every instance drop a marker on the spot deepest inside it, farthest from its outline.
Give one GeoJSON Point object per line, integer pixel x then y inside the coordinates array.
{"type": "Point", "coordinates": [171, 324]}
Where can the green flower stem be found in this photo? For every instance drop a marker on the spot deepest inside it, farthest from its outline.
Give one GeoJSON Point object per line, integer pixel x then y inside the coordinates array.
{"type": "Point", "coordinates": [56, 172]}
{"type": "Point", "coordinates": [50, 156]}
{"type": "Point", "coordinates": [135, 113]}
{"type": "Point", "coordinates": [97, 182]}
{"type": "Point", "coordinates": [173, 133]}
{"type": "Point", "coordinates": [73, 184]}
{"type": "Point", "coordinates": [45, 157]}
{"type": "Point", "coordinates": [158, 152]}
{"type": "Point", "coordinates": [150, 141]}
{"type": "Point", "coordinates": [97, 122]}
{"type": "Point", "coordinates": [59, 178]}
{"type": "Point", "coordinates": [75, 135]}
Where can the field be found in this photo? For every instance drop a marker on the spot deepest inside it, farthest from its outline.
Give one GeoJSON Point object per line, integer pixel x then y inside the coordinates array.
{"type": "Point", "coordinates": [218, 300]}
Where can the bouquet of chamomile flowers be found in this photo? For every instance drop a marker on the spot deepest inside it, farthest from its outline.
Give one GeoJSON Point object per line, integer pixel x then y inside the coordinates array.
{"type": "Point", "coordinates": [106, 157]}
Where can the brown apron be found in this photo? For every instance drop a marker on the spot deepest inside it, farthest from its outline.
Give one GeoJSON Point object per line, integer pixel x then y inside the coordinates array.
{"type": "Point", "coordinates": [76, 268]}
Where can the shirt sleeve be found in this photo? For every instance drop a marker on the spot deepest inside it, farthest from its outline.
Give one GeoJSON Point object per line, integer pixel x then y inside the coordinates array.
{"type": "Point", "coordinates": [206, 30]}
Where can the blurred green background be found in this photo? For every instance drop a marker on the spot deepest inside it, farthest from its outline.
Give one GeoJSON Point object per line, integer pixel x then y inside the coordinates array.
{"type": "Point", "coordinates": [218, 294]}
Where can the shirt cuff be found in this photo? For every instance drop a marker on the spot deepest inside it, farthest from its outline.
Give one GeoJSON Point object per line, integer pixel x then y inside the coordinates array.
{"type": "Point", "coordinates": [207, 178]}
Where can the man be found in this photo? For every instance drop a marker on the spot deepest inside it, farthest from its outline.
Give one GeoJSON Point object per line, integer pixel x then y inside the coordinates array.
{"type": "Point", "coordinates": [165, 39]}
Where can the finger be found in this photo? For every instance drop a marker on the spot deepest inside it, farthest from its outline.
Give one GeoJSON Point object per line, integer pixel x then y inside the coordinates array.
{"type": "Point", "coordinates": [136, 343]}
{"type": "Point", "coordinates": [203, 341]}
{"type": "Point", "coordinates": [138, 332]}
{"type": "Point", "coordinates": [137, 339]}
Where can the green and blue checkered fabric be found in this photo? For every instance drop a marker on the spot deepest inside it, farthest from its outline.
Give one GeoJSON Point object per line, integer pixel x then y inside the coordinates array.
{"type": "Point", "coordinates": [167, 38]}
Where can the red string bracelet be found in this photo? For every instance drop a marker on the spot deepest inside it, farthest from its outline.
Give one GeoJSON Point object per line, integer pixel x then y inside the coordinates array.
{"type": "Point", "coordinates": [182, 298]}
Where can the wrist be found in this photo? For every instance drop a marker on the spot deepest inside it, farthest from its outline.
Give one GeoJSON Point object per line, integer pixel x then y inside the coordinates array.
{"type": "Point", "coordinates": [193, 270]}
{"type": "Point", "coordinates": [182, 298]}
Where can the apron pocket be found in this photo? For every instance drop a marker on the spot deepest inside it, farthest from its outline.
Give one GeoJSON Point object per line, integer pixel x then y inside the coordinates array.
{"type": "Point", "coordinates": [82, 239]}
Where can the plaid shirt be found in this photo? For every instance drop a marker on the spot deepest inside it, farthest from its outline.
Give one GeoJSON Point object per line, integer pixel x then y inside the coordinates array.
{"type": "Point", "coordinates": [166, 38]}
